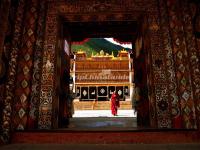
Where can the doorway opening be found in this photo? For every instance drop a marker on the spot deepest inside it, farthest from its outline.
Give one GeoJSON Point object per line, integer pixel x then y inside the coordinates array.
{"type": "Point", "coordinates": [100, 67]}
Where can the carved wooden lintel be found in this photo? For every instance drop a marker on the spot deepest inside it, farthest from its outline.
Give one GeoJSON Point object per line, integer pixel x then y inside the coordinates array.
{"type": "Point", "coordinates": [102, 6]}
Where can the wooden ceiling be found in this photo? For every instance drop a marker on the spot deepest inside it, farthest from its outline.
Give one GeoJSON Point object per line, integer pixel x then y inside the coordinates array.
{"type": "Point", "coordinates": [124, 31]}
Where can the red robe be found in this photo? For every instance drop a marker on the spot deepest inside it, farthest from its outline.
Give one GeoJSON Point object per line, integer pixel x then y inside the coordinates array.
{"type": "Point", "coordinates": [114, 103]}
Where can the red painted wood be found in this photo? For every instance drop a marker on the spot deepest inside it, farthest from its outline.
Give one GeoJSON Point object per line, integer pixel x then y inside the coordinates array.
{"type": "Point", "coordinates": [106, 137]}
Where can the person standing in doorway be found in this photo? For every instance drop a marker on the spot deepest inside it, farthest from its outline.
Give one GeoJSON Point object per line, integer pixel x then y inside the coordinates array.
{"type": "Point", "coordinates": [114, 103]}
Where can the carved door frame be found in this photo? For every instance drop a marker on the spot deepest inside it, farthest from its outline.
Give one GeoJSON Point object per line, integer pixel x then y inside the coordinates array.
{"type": "Point", "coordinates": [80, 12]}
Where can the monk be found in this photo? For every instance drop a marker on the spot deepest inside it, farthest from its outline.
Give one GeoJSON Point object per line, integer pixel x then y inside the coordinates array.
{"type": "Point", "coordinates": [114, 103]}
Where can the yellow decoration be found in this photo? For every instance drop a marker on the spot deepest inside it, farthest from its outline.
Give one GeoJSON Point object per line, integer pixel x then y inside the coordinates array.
{"type": "Point", "coordinates": [101, 53]}
{"type": "Point", "coordinates": [123, 51]}
{"type": "Point", "coordinates": [80, 51]}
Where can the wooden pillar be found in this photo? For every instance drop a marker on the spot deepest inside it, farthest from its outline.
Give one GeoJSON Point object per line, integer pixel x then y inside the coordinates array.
{"type": "Point", "coordinates": [25, 66]}
{"type": "Point", "coordinates": [37, 67]}
{"type": "Point", "coordinates": [183, 77]}
{"type": "Point", "coordinates": [160, 82]}
{"type": "Point", "coordinates": [170, 70]}
{"type": "Point", "coordinates": [48, 92]}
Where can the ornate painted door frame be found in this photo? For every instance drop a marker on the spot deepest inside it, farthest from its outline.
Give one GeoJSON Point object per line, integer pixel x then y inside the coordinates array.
{"type": "Point", "coordinates": [83, 11]}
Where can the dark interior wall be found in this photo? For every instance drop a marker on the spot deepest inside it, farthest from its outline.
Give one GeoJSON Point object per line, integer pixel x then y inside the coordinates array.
{"type": "Point", "coordinates": [64, 76]}
{"type": "Point", "coordinates": [142, 73]}
{"type": "Point", "coordinates": [140, 79]}
{"type": "Point", "coordinates": [194, 9]}
{"type": "Point", "coordinates": [7, 15]}
{"type": "Point", "coordinates": [141, 83]}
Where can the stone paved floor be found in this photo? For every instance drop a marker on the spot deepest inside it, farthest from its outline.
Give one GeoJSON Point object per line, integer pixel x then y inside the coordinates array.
{"type": "Point", "coordinates": [103, 113]}
{"type": "Point", "coordinates": [101, 147]}
{"type": "Point", "coordinates": [122, 123]}
{"type": "Point", "coordinates": [98, 119]}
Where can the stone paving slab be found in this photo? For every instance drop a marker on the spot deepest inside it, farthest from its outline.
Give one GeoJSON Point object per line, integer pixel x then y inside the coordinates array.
{"type": "Point", "coordinates": [103, 113]}
{"type": "Point", "coordinates": [103, 122]}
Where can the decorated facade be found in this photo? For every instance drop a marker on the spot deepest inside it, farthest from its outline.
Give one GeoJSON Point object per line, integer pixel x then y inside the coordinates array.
{"type": "Point", "coordinates": [98, 76]}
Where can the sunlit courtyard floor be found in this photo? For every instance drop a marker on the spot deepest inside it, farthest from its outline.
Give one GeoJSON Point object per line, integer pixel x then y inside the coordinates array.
{"type": "Point", "coordinates": [103, 119]}
{"type": "Point", "coordinates": [103, 113]}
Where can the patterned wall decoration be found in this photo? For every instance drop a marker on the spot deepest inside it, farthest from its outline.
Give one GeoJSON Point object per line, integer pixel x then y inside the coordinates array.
{"type": "Point", "coordinates": [181, 63]}
{"type": "Point", "coordinates": [193, 54]}
{"type": "Point", "coordinates": [161, 77]}
{"type": "Point", "coordinates": [24, 71]}
{"type": "Point", "coordinates": [159, 74]}
{"type": "Point", "coordinates": [96, 6]}
{"type": "Point", "coordinates": [35, 94]}
{"type": "Point", "coordinates": [93, 10]}
{"type": "Point", "coordinates": [48, 70]}
{"type": "Point", "coordinates": [7, 111]}
{"type": "Point", "coordinates": [172, 87]}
